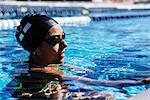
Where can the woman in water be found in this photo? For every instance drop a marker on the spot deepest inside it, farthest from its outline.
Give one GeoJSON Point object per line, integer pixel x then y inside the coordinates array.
{"type": "Point", "coordinates": [43, 38]}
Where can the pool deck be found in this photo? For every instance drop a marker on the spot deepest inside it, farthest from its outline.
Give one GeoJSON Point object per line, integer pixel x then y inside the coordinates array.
{"type": "Point", "coordinates": [79, 4]}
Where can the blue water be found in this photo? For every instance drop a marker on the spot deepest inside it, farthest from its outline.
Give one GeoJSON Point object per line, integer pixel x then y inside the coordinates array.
{"type": "Point", "coordinates": [114, 50]}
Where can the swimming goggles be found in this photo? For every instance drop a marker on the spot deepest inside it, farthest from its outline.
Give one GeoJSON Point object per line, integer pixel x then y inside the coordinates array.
{"type": "Point", "coordinates": [53, 40]}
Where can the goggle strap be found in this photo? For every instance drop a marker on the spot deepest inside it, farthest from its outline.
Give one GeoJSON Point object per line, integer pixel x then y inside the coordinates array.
{"type": "Point", "coordinates": [22, 31]}
{"type": "Point", "coordinates": [26, 27]}
{"type": "Point", "coordinates": [19, 34]}
{"type": "Point", "coordinates": [21, 37]}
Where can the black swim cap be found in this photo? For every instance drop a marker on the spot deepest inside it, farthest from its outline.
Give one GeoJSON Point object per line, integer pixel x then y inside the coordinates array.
{"type": "Point", "coordinates": [33, 29]}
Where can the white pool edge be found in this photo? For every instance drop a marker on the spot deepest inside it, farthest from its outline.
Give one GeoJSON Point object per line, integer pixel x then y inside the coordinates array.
{"type": "Point", "coordinates": [6, 24]}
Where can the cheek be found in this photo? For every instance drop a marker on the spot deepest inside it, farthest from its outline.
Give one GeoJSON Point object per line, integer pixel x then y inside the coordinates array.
{"type": "Point", "coordinates": [52, 52]}
{"type": "Point", "coordinates": [55, 48]}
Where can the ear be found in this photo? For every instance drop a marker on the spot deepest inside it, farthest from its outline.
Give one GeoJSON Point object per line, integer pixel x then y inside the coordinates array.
{"type": "Point", "coordinates": [38, 52]}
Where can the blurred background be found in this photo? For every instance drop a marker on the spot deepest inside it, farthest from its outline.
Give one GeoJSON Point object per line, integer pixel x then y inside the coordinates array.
{"type": "Point", "coordinates": [108, 1]}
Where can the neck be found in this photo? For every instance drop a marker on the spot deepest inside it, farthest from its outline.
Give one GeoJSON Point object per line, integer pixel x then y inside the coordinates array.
{"type": "Point", "coordinates": [33, 59]}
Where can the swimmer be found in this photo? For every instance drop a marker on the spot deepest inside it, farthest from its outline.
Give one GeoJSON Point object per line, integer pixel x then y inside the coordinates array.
{"type": "Point", "coordinates": [44, 39]}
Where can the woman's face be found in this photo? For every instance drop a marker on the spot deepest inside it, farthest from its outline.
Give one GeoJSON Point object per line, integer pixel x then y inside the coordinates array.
{"type": "Point", "coordinates": [53, 54]}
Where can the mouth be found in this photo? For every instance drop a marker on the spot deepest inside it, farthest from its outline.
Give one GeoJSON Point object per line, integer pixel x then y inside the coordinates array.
{"type": "Point", "coordinates": [61, 55]}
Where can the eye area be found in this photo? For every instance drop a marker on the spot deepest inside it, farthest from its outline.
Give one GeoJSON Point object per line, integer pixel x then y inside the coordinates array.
{"type": "Point", "coordinates": [53, 40]}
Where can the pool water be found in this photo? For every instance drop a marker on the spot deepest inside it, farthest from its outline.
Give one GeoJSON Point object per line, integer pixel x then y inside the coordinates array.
{"type": "Point", "coordinates": [113, 50]}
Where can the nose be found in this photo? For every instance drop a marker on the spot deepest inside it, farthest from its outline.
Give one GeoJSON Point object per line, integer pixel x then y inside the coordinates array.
{"type": "Point", "coordinates": [64, 44]}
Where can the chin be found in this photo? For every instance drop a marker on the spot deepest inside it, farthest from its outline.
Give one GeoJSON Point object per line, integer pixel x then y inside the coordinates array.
{"type": "Point", "coordinates": [61, 60]}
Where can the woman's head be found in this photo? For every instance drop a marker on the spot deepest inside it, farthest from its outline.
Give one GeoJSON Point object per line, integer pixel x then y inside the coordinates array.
{"type": "Point", "coordinates": [43, 37]}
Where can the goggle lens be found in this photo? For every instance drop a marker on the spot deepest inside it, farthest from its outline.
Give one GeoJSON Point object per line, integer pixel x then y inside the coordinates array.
{"type": "Point", "coordinates": [53, 40]}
